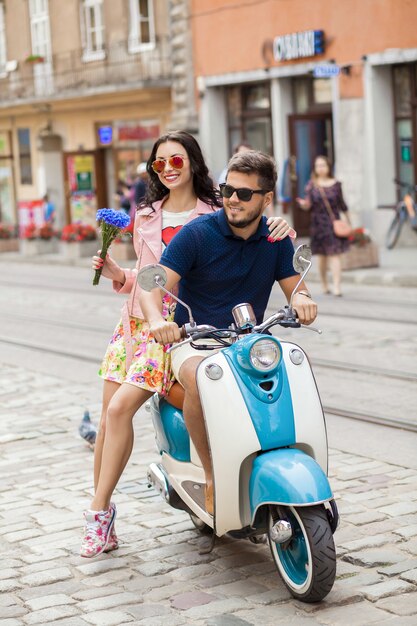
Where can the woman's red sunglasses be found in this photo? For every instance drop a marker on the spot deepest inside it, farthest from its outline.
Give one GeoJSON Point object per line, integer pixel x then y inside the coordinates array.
{"type": "Point", "coordinates": [176, 162]}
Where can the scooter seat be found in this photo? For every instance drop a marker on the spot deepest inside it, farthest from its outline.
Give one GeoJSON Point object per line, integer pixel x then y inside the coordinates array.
{"type": "Point", "coordinates": [176, 396]}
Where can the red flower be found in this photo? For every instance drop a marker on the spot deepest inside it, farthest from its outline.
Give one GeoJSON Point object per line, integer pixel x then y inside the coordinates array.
{"type": "Point", "coordinates": [78, 232]}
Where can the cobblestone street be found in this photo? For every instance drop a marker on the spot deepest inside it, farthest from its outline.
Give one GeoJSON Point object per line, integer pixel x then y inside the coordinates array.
{"type": "Point", "coordinates": [158, 576]}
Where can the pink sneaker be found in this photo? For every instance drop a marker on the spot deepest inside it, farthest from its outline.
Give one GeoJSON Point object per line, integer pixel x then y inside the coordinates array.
{"type": "Point", "coordinates": [113, 542]}
{"type": "Point", "coordinates": [97, 532]}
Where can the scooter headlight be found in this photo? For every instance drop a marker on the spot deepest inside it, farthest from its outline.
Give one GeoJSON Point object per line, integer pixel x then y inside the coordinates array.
{"type": "Point", "coordinates": [265, 355]}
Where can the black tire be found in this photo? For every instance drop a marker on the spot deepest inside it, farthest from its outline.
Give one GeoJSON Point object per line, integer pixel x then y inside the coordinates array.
{"type": "Point", "coordinates": [201, 526]}
{"type": "Point", "coordinates": [394, 231]}
{"type": "Point", "coordinates": [307, 562]}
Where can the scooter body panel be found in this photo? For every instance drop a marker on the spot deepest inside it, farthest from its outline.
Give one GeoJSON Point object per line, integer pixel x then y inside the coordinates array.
{"type": "Point", "coordinates": [241, 422]}
{"type": "Point", "coordinates": [267, 396]}
{"type": "Point", "coordinates": [171, 434]}
{"type": "Point", "coordinates": [289, 477]}
{"type": "Point", "coordinates": [232, 438]}
{"type": "Point", "coordinates": [309, 421]}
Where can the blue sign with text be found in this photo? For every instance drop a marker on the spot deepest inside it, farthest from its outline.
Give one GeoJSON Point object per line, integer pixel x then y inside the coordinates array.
{"type": "Point", "coordinates": [326, 71]}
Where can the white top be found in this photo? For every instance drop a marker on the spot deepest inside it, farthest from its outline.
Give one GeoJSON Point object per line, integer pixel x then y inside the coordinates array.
{"type": "Point", "coordinates": [172, 223]}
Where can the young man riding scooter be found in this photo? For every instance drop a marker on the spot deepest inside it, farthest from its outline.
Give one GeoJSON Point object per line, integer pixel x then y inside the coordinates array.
{"type": "Point", "coordinates": [219, 261]}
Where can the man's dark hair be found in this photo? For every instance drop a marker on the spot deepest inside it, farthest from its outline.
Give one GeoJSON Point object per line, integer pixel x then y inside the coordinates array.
{"type": "Point", "coordinates": [202, 182]}
{"type": "Point", "coordinates": [255, 162]}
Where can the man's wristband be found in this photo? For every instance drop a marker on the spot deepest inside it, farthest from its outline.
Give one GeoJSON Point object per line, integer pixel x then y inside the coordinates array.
{"type": "Point", "coordinates": [304, 293]}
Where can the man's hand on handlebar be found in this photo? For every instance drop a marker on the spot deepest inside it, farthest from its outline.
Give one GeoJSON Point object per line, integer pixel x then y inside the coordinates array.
{"type": "Point", "coordinates": [305, 308]}
{"type": "Point", "coordinates": [165, 332]}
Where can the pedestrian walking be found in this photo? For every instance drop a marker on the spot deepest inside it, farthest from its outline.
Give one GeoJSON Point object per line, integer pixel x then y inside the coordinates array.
{"type": "Point", "coordinates": [324, 200]}
{"type": "Point", "coordinates": [135, 366]}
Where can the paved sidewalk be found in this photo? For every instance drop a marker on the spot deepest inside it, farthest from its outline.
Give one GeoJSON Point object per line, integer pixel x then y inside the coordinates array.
{"type": "Point", "coordinates": [157, 576]}
{"type": "Point", "coordinates": [397, 267]}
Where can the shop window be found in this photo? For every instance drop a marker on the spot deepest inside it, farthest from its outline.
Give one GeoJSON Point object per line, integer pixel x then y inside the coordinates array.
{"type": "Point", "coordinates": [405, 106]}
{"type": "Point", "coordinates": [322, 91]}
{"type": "Point", "coordinates": [142, 28]}
{"type": "Point", "coordinates": [404, 137]}
{"type": "Point", "coordinates": [25, 160]}
{"type": "Point", "coordinates": [3, 54]}
{"type": "Point", "coordinates": [402, 91]}
{"type": "Point", "coordinates": [92, 25]}
{"type": "Point", "coordinates": [257, 97]}
{"type": "Point", "coordinates": [311, 94]}
{"type": "Point", "coordinates": [249, 116]}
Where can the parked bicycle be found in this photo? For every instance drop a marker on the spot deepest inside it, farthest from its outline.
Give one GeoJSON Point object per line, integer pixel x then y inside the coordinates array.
{"type": "Point", "coordinates": [405, 211]}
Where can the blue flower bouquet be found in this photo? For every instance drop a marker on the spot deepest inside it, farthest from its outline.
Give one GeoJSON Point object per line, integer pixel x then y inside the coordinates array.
{"type": "Point", "coordinates": [111, 223]}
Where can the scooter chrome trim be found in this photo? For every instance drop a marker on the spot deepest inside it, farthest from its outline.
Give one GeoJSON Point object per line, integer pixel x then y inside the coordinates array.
{"type": "Point", "coordinates": [157, 478]}
{"type": "Point", "coordinates": [281, 531]}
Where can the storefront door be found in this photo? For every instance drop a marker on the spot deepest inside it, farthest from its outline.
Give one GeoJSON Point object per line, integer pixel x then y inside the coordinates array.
{"type": "Point", "coordinates": [85, 184]}
{"type": "Point", "coordinates": [310, 135]}
{"type": "Point", "coordinates": [7, 196]}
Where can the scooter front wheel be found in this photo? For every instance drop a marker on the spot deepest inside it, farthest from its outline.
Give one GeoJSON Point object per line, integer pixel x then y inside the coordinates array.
{"type": "Point", "coordinates": [307, 561]}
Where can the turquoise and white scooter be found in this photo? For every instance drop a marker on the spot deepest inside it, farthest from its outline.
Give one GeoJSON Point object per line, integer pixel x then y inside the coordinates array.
{"type": "Point", "coordinates": [268, 443]}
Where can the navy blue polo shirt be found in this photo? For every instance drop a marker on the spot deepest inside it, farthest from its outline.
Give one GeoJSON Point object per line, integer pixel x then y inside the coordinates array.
{"type": "Point", "coordinates": [219, 269]}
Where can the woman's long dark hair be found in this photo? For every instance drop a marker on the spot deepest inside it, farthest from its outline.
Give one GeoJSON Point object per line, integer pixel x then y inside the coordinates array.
{"type": "Point", "coordinates": [203, 184]}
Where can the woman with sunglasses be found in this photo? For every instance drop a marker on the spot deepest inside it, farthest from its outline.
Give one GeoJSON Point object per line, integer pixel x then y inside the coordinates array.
{"type": "Point", "coordinates": [135, 366]}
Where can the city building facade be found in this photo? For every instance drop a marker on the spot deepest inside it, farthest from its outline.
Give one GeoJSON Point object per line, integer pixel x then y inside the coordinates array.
{"type": "Point", "coordinates": [85, 89]}
{"type": "Point", "coordinates": [298, 79]}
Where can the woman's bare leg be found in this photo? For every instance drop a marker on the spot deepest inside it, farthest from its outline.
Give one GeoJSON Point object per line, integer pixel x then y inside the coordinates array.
{"type": "Point", "coordinates": [118, 441]}
{"type": "Point", "coordinates": [109, 389]}
{"type": "Point", "coordinates": [322, 259]}
{"type": "Point", "coordinates": [336, 270]}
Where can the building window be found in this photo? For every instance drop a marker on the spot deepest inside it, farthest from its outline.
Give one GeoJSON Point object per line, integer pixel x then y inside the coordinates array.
{"type": "Point", "coordinates": [405, 109]}
{"type": "Point", "coordinates": [249, 114]}
{"type": "Point", "coordinates": [92, 26]}
{"type": "Point", "coordinates": [3, 54]}
{"type": "Point", "coordinates": [39, 26]}
{"type": "Point", "coordinates": [311, 94]}
{"type": "Point", "coordinates": [25, 161]}
{"type": "Point", "coordinates": [142, 28]}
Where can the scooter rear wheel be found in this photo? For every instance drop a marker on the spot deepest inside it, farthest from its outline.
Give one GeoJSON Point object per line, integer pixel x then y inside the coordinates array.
{"type": "Point", "coordinates": [201, 526]}
{"type": "Point", "coordinates": [307, 562]}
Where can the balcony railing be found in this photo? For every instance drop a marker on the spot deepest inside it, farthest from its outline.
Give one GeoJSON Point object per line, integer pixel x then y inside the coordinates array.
{"type": "Point", "coordinates": [70, 74]}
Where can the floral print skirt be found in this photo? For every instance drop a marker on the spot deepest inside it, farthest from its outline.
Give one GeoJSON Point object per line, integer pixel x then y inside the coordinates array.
{"type": "Point", "coordinates": [150, 368]}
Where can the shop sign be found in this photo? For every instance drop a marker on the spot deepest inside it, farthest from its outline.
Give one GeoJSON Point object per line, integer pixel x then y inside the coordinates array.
{"type": "Point", "coordinates": [308, 43]}
{"type": "Point", "coordinates": [143, 131]}
{"type": "Point", "coordinates": [405, 145]}
{"type": "Point", "coordinates": [80, 172]}
{"type": "Point", "coordinates": [326, 71]}
{"type": "Point", "coordinates": [83, 207]}
{"type": "Point", "coordinates": [31, 212]}
{"type": "Point", "coordinates": [105, 135]}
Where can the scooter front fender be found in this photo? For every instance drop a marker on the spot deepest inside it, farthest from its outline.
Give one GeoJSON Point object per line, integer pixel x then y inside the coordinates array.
{"type": "Point", "coordinates": [287, 476]}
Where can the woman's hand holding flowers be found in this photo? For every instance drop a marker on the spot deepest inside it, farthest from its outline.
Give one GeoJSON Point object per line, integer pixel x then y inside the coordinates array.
{"type": "Point", "coordinates": [109, 268]}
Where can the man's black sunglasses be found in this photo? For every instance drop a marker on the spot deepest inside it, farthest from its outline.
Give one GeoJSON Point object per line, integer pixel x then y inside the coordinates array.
{"type": "Point", "coordinates": [243, 193]}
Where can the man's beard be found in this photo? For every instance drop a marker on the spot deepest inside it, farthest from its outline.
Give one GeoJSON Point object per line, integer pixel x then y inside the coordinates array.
{"type": "Point", "coordinates": [256, 213]}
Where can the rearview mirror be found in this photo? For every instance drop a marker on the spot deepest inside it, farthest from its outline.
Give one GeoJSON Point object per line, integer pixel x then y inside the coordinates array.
{"type": "Point", "coordinates": [302, 258]}
{"type": "Point", "coordinates": [152, 276]}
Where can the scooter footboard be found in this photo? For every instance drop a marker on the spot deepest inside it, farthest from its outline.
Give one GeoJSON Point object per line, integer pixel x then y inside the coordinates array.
{"type": "Point", "coordinates": [287, 476]}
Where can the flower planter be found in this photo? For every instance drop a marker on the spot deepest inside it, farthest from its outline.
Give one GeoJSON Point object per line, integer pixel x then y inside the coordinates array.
{"type": "Point", "coordinates": [360, 256]}
{"type": "Point", "coordinates": [9, 245]}
{"type": "Point", "coordinates": [33, 247]}
{"type": "Point", "coordinates": [122, 251]}
{"type": "Point", "coordinates": [78, 249]}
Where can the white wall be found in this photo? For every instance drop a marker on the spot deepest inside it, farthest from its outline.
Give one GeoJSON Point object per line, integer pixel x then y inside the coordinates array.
{"type": "Point", "coordinates": [213, 129]}
{"type": "Point", "coordinates": [349, 153]}
{"type": "Point", "coordinates": [281, 107]}
{"type": "Point", "coordinates": [379, 155]}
